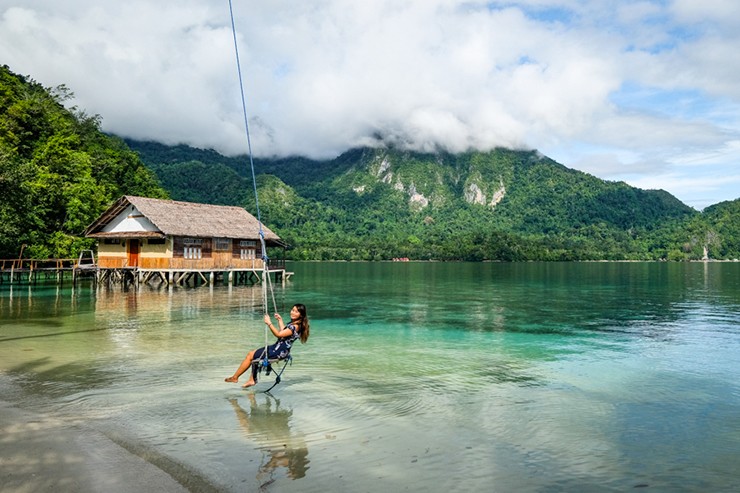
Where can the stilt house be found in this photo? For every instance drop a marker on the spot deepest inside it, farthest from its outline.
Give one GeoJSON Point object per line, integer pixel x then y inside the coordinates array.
{"type": "Point", "coordinates": [154, 234]}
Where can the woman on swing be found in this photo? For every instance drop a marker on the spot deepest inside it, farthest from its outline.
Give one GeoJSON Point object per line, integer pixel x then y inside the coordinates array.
{"type": "Point", "coordinates": [286, 334]}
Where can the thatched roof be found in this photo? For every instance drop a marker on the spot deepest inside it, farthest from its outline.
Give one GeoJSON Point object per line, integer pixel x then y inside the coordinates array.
{"type": "Point", "coordinates": [174, 218]}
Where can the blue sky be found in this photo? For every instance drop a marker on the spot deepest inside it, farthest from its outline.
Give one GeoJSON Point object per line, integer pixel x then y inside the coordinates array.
{"type": "Point", "coordinates": [645, 92]}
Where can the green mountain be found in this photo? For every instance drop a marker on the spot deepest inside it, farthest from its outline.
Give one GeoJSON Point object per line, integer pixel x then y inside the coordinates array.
{"type": "Point", "coordinates": [719, 230]}
{"type": "Point", "coordinates": [497, 205]}
{"type": "Point", "coordinates": [58, 171]}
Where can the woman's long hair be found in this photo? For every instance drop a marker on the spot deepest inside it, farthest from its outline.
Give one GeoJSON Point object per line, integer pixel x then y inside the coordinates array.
{"type": "Point", "coordinates": [303, 320]}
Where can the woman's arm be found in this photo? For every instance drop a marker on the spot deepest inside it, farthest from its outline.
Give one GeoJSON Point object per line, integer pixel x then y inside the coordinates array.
{"type": "Point", "coordinates": [282, 331]}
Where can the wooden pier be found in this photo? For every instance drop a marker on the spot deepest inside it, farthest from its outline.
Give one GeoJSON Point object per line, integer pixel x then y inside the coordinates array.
{"type": "Point", "coordinates": [190, 277]}
{"type": "Point", "coordinates": [30, 271]}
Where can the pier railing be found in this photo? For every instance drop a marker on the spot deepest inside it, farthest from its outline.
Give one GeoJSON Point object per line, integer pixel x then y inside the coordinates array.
{"type": "Point", "coordinates": [27, 264]}
{"type": "Point", "coordinates": [30, 270]}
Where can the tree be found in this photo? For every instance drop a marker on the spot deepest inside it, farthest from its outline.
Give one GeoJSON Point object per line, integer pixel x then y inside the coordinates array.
{"type": "Point", "coordinates": [58, 170]}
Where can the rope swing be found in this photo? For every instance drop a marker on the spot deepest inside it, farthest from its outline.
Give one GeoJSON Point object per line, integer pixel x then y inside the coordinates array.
{"type": "Point", "coordinates": [266, 282]}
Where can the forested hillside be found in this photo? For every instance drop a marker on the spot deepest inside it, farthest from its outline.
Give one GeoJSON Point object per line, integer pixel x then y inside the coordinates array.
{"type": "Point", "coordinates": [58, 171]}
{"type": "Point", "coordinates": [499, 205]}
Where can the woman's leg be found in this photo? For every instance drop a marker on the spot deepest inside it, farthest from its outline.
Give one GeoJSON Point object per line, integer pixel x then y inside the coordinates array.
{"type": "Point", "coordinates": [242, 368]}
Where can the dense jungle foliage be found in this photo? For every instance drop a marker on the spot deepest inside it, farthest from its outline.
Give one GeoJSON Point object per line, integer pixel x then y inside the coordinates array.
{"type": "Point", "coordinates": [374, 204]}
{"type": "Point", "coordinates": [58, 171]}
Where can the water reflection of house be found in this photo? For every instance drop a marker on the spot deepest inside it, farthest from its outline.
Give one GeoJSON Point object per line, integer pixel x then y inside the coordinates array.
{"type": "Point", "coordinates": [144, 239]}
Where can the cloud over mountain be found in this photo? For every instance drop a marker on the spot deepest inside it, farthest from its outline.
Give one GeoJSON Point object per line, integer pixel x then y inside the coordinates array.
{"type": "Point", "coordinates": [641, 83]}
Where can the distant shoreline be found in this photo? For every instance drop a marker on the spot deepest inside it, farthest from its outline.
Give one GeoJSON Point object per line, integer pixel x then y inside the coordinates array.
{"type": "Point", "coordinates": [432, 261]}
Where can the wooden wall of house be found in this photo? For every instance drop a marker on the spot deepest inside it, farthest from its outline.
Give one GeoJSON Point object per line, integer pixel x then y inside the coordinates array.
{"type": "Point", "coordinates": [112, 248]}
{"type": "Point", "coordinates": [155, 253]}
{"type": "Point", "coordinates": [179, 245]}
{"type": "Point", "coordinates": [181, 253]}
{"type": "Point", "coordinates": [112, 254]}
{"type": "Point", "coordinates": [220, 262]}
{"type": "Point", "coordinates": [112, 262]}
{"type": "Point", "coordinates": [238, 245]}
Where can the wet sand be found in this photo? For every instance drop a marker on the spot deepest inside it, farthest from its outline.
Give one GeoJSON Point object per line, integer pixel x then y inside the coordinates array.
{"type": "Point", "coordinates": [44, 453]}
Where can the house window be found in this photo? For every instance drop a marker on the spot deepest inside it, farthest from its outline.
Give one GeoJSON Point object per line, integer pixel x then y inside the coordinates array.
{"type": "Point", "coordinates": [222, 244]}
{"type": "Point", "coordinates": [155, 241]}
{"type": "Point", "coordinates": [247, 249]}
{"type": "Point", "coordinates": [193, 248]}
{"type": "Point", "coordinates": [193, 252]}
{"type": "Point", "coordinates": [111, 241]}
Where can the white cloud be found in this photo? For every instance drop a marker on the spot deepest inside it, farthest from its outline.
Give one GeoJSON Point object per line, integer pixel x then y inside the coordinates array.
{"type": "Point", "coordinates": [719, 13]}
{"type": "Point", "coordinates": [577, 80]}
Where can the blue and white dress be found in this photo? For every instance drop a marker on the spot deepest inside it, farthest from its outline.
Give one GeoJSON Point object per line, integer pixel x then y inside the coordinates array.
{"type": "Point", "coordinates": [281, 348]}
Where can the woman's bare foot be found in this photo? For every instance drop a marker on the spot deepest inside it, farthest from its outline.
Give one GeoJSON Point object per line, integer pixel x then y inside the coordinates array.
{"type": "Point", "coordinates": [231, 379]}
{"type": "Point", "coordinates": [249, 383]}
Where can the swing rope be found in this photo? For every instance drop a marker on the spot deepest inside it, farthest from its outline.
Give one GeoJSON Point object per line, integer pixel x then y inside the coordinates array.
{"type": "Point", "coordinates": [266, 282]}
{"type": "Point", "coordinates": [246, 121]}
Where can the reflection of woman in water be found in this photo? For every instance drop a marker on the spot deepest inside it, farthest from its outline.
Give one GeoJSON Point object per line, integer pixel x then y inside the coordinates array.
{"type": "Point", "coordinates": [286, 334]}
{"type": "Point", "coordinates": [270, 428]}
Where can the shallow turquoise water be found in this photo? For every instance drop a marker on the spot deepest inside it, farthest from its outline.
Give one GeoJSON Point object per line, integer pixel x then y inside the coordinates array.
{"type": "Point", "coordinates": [417, 376]}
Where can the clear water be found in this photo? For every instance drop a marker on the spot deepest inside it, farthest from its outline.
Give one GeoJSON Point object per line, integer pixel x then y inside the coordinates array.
{"type": "Point", "coordinates": [417, 377]}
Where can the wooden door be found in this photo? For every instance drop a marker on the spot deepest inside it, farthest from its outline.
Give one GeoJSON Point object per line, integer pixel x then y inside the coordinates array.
{"type": "Point", "coordinates": [133, 253]}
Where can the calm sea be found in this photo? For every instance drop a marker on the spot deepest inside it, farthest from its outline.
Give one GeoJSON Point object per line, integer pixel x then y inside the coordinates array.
{"type": "Point", "coordinates": [424, 377]}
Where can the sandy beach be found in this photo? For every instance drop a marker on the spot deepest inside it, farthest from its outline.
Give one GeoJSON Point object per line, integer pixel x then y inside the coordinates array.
{"type": "Point", "coordinates": [44, 453]}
